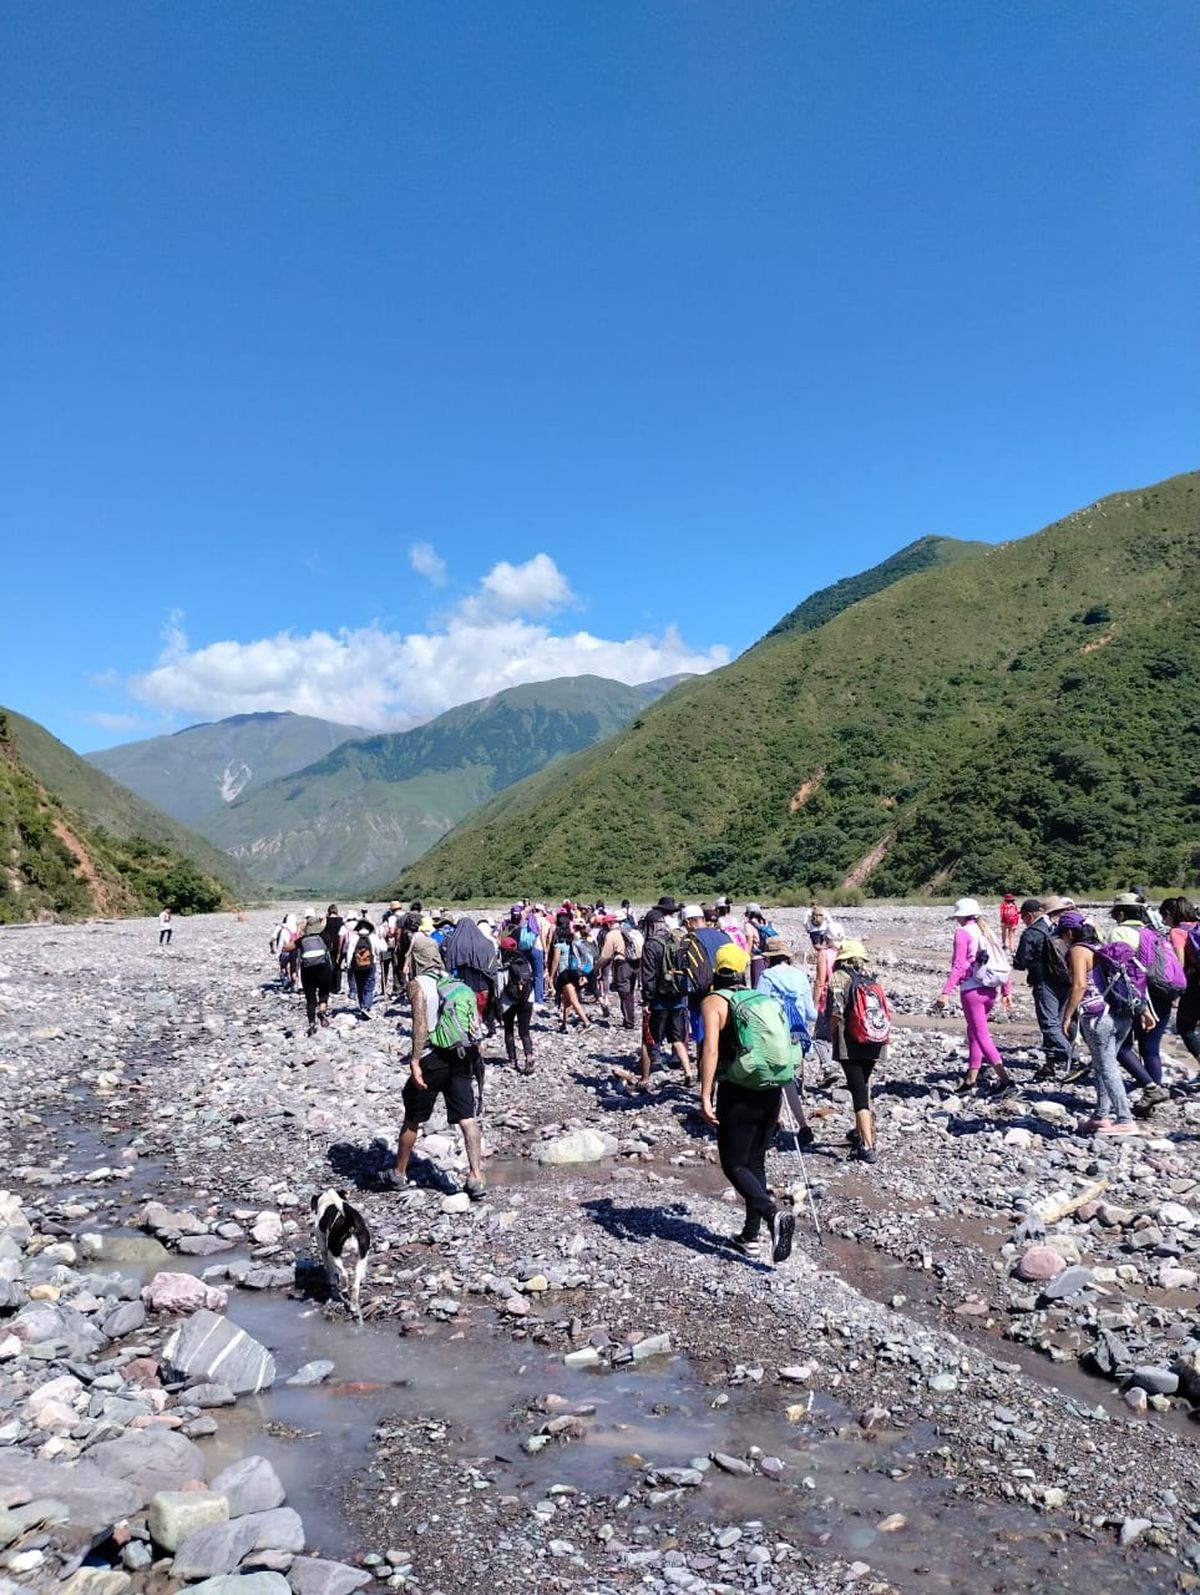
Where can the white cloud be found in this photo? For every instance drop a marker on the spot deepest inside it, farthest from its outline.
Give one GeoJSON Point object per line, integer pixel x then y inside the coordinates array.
{"type": "Point", "coordinates": [427, 562]}
{"type": "Point", "coordinates": [384, 679]}
{"type": "Point", "coordinates": [116, 722]}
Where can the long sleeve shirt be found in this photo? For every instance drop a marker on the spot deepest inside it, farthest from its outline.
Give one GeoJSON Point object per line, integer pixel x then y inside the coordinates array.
{"type": "Point", "coordinates": [968, 940]}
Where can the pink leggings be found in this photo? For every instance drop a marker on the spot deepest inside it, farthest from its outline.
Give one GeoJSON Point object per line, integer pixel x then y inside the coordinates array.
{"type": "Point", "coordinates": [977, 1003]}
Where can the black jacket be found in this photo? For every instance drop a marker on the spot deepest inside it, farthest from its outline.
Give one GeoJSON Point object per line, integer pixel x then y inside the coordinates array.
{"type": "Point", "coordinates": [1031, 952]}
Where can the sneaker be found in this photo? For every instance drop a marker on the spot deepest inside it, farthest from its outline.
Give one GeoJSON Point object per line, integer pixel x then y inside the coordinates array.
{"type": "Point", "coordinates": [312, 1030]}
{"type": "Point", "coordinates": [1007, 1087]}
{"type": "Point", "coordinates": [968, 1085]}
{"type": "Point", "coordinates": [1150, 1097]}
{"type": "Point", "coordinates": [746, 1248]}
{"type": "Point", "coordinates": [785, 1231]}
{"type": "Point", "coordinates": [476, 1185]}
{"type": "Point", "coordinates": [866, 1154]}
{"type": "Point", "coordinates": [854, 1137]}
{"type": "Point", "coordinates": [1121, 1127]}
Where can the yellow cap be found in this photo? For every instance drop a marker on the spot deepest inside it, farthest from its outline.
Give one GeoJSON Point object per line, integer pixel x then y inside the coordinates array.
{"type": "Point", "coordinates": [848, 950]}
{"type": "Point", "coordinates": [731, 959]}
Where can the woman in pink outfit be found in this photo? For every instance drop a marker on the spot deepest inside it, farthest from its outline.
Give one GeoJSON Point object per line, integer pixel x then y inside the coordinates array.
{"type": "Point", "coordinates": [979, 973]}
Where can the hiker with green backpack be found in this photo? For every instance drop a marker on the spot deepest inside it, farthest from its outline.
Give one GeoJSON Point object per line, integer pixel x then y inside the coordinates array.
{"type": "Point", "coordinates": [445, 1060]}
{"type": "Point", "coordinates": [747, 1057]}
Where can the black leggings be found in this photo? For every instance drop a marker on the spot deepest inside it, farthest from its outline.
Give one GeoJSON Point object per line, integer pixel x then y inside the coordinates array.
{"type": "Point", "coordinates": [746, 1121]}
{"type": "Point", "coordinates": [1187, 1020]}
{"type": "Point", "coordinates": [858, 1078]}
{"type": "Point", "coordinates": [518, 1018]}
{"type": "Point", "coordinates": [316, 983]}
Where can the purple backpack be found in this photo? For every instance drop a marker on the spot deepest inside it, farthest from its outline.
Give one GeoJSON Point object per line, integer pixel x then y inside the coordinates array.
{"type": "Point", "coordinates": [1163, 970]}
{"type": "Point", "coordinates": [1120, 979]}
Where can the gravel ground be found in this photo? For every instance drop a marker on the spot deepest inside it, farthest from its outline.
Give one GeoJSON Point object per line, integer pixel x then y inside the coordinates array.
{"type": "Point", "coordinates": [895, 1408]}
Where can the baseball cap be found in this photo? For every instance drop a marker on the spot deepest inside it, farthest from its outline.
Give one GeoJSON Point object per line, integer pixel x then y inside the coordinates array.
{"type": "Point", "coordinates": [1032, 905]}
{"type": "Point", "coordinates": [731, 959]}
{"type": "Point", "coordinates": [1071, 919]}
{"type": "Point", "coordinates": [693, 911]}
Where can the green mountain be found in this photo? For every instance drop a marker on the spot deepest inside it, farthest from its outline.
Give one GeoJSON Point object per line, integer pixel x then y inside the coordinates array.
{"type": "Point", "coordinates": [350, 820]}
{"type": "Point", "coordinates": [196, 771]}
{"type": "Point", "coordinates": [925, 554]}
{"type": "Point", "coordinates": [74, 843]}
{"type": "Point", "coordinates": [1026, 718]}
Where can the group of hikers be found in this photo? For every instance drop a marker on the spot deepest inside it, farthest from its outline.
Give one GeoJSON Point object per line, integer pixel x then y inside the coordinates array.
{"type": "Point", "coordinates": [727, 1002]}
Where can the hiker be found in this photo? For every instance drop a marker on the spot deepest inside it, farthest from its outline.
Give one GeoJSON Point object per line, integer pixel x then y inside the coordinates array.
{"type": "Point", "coordinates": [979, 972]}
{"type": "Point", "coordinates": [757, 930]}
{"type": "Point", "coordinates": [701, 938]}
{"type": "Point", "coordinates": [316, 972]}
{"type": "Point", "coordinates": [860, 1028]}
{"type": "Point", "coordinates": [1044, 957]}
{"type": "Point", "coordinates": [664, 990]}
{"type": "Point", "coordinates": [816, 918]}
{"type": "Point", "coordinates": [443, 1061]}
{"type": "Point", "coordinates": [1010, 918]}
{"type": "Point", "coordinates": [470, 953]}
{"type": "Point", "coordinates": [364, 949]}
{"type": "Point", "coordinates": [567, 972]}
{"type": "Point", "coordinates": [514, 1002]}
{"type": "Point", "coordinates": [1140, 1055]}
{"type": "Point", "coordinates": [791, 988]}
{"type": "Point", "coordinates": [621, 959]}
{"type": "Point", "coordinates": [742, 1061]}
{"type": "Point", "coordinates": [528, 930]}
{"type": "Point", "coordinates": [164, 928]}
{"type": "Point", "coordinates": [826, 951]}
{"type": "Point", "coordinates": [1104, 1028]}
{"type": "Point", "coordinates": [281, 946]}
{"type": "Point", "coordinates": [331, 934]}
{"type": "Point", "coordinates": [1183, 932]}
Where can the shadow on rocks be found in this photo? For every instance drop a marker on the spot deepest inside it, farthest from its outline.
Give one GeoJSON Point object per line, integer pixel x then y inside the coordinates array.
{"type": "Point", "coordinates": [365, 1167]}
{"type": "Point", "coordinates": [669, 1222]}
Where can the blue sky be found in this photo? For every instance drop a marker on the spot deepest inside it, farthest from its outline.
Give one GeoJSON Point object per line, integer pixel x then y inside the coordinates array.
{"type": "Point", "coordinates": [637, 321]}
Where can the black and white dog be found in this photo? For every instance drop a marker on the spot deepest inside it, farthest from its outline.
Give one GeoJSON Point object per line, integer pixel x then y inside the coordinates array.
{"type": "Point", "coordinates": [343, 1235]}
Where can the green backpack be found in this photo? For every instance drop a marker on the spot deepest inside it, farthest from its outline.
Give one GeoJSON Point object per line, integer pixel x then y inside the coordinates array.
{"type": "Point", "coordinates": [458, 1025]}
{"type": "Point", "coordinates": [766, 1055]}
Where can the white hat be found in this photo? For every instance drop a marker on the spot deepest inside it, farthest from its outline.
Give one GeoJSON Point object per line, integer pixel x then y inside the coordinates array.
{"type": "Point", "coordinates": [966, 908]}
{"type": "Point", "coordinates": [693, 911]}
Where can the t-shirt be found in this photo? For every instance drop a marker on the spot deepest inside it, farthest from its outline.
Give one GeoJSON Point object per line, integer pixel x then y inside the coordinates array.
{"type": "Point", "coordinates": [433, 1007]}
{"type": "Point", "coordinates": [837, 1001]}
{"type": "Point", "coordinates": [164, 919]}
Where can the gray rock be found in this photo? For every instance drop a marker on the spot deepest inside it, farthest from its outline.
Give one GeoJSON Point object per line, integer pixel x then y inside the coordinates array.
{"type": "Point", "coordinates": [312, 1373]}
{"type": "Point", "coordinates": [209, 1343]}
{"type": "Point", "coordinates": [12, 1295]}
{"type": "Point", "coordinates": [203, 1245]}
{"type": "Point", "coordinates": [311, 1576]}
{"type": "Point", "coordinates": [209, 1395]}
{"type": "Point", "coordinates": [126, 1320]}
{"type": "Point", "coordinates": [251, 1485]}
{"type": "Point", "coordinates": [1157, 1381]}
{"type": "Point", "coordinates": [13, 1222]}
{"type": "Point", "coordinates": [50, 1323]}
{"type": "Point", "coordinates": [243, 1584]}
{"type": "Point", "coordinates": [1071, 1282]}
{"type": "Point", "coordinates": [220, 1547]}
{"type": "Point", "coordinates": [150, 1460]}
{"type": "Point", "coordinates": [95, 1499]}
{"type": "Point", "coordinates": [268, 1278]}
{"type": "Point", "coordinates": [580, 1146]}
{"type": "Point", "coordinates": [735, 1465]}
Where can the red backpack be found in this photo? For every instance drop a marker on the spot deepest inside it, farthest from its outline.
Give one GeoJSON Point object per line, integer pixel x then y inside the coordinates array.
{"type": "Point", "coordinates": [868, 1017]}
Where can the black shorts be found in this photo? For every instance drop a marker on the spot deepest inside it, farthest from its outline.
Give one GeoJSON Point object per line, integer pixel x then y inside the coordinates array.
{"type": "Point", "coordinates": [445, 1075]}
{"type": "Point", "coordinates": [668, 1024]}
{"type": "Point", "coordinates": [565, 978]}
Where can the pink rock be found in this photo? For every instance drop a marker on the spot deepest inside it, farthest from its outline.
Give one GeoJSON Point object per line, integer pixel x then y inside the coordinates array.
{"type": "Point", "coordinates": [182, 1293]}
{"type": "Point", "coordinates": [1040, 1263]}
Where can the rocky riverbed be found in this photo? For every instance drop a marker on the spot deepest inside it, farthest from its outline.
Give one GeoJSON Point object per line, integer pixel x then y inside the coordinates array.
{"type": "Point", "coordinates": [981, 1375]}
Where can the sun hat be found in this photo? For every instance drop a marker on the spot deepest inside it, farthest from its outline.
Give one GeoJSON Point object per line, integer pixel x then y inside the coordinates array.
{"type": "Point", "coordinates": [754, 908]}
{"type": "Point", "coordinates": [731, 959]}
{"type": "Point", "coordinates": [774, 947]}
{"type": "Point", "coordinates": [1127, 900]}
{"type": "Point", "coordinates": [668, 905]}
{"type": "Point", "coordinates": [851, 952]}
{"type": "Point", "coordinates": [425, 928]}
{"type": "Point", "coordinates": [966, 908]}
{"type": "Point", "coordinates": [693, 911]}
{"type": "Point", "coordinates": [392, 907]}
{"type": "Point", "coordinates": [1055, 905]}
{"type": "Point", "coordinates": [1032, 905]}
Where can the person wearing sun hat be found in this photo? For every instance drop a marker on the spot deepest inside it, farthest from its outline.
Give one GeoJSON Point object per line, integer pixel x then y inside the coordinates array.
{"type": "Point", "coordinates": [975, 947]}
{"type": "Point", "coordinates": [745, 1117]}
{"type": "Point", "coordinates": [1141, 1052]}
{"type": "Point", "coordinates": [1104, 1031]}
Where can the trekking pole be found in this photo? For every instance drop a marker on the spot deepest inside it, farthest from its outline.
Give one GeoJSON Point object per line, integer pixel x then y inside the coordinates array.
{"type": "Point", "coordinates": [793, 1129]}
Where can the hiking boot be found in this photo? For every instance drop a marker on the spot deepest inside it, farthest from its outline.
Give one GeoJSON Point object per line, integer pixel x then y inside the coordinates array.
{"type": "Point", "coordinates": [805, 1135]}
{"type": "Point", "coordinates": [476, 1185]}
{"type": "Point", "coordinates": [865, 1154]}
{"type": "Point", "coordinates": [1150, 1098]}
{"type": "Point", "coordinates": [785, 1232]}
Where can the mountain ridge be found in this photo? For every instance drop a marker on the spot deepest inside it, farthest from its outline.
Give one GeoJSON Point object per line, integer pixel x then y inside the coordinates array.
{"type": "Point", "coordinates": [963, 728]}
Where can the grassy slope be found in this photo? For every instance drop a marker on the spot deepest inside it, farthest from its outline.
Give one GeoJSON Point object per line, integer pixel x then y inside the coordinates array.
{"type": "Point", "coordinates": [102, 804]}
{"type": "Point", "coordinates": [968, 720]}
{"type": "Point", "coordinates": [181, 774]}
{"type": "Point", "coordinates": [352, 818]}
{"type": "Point", "coordinates": [926, 553]}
